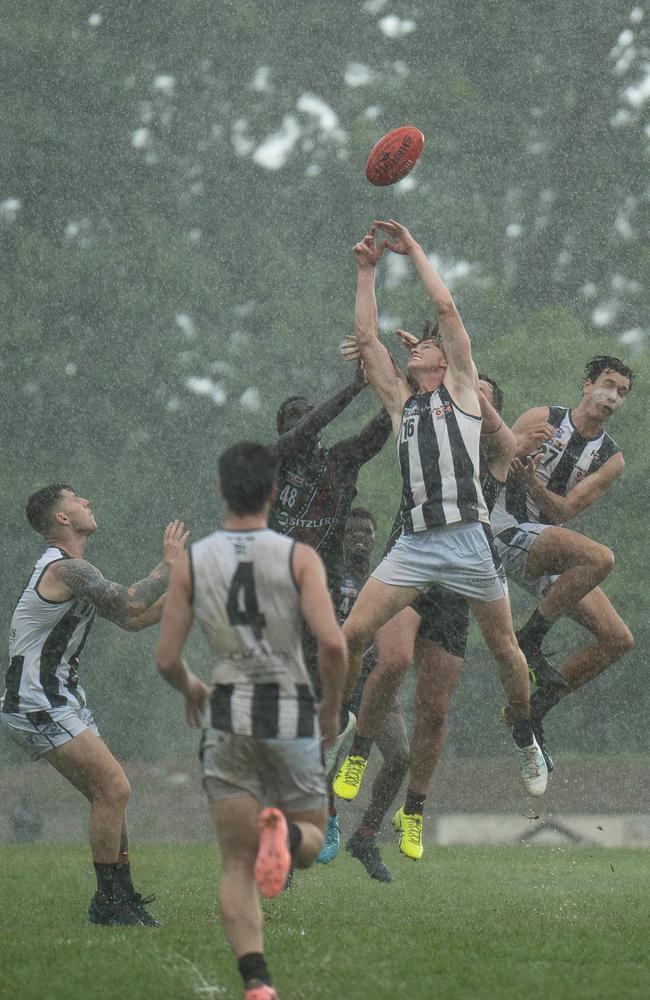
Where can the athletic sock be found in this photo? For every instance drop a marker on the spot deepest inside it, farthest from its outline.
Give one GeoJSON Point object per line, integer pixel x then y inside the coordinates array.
{"type": "Point", "coordinates": [108, 880]}
{"type": "Point", "coordinates": [414, 803]}
{"type": "Point", "coordinates": [361, 746]}
{"type": "Point", "coordinates": [535, 629]}
{"type": "Point", "coordinates": [542, 701]}
{"type": "Point", "coordinates": [252, 966]}
{"type": "Point", "coordinates": [295, 837]}
{"type": "Point", "coordinates": [124, 879]}
{"type": "Point", "coordinates": [522, 732]}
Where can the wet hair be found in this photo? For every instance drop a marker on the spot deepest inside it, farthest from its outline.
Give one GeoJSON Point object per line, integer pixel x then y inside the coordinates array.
{"type": "Point", "coordinates": [498, 398]}
{"type": "Point", "coordinates": [43, 504]}
{"type": "Point", "coordinates": [279, 417]}
{"type": "Point", "coordinates": [361, 514]}
{"type": "Point", "coordinates": [431, 331]}
{"type": "Point", "coordinates": [247, 474]}
{"type": "Point", "coordinates": [606, 363]}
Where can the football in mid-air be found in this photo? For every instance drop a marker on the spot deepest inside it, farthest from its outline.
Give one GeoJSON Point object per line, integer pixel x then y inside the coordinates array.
{"type": "Point", "coordinates": [394, 156]}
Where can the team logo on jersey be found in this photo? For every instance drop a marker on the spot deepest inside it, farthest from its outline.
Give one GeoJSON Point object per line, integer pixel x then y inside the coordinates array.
{"type": "Point", "coordinates": [440, 411]}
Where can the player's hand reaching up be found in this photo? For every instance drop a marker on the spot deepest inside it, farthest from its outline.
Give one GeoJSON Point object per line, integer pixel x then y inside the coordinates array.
{"type": "Point", "coordinates": [534, 437]}
{"type": "Point", "coordinates": [525, 469]}
{"type": "Point", "coordinates": [408, 339]}
{"type": "Point", "coordinates": [402, 241]}
{"type": "Point", "coordinates": [174, 540]}
{"type": "Point", "coordinates": [366, 252]}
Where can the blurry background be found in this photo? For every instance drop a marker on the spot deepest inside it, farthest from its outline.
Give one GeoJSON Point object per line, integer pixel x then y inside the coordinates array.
{"type": "Point", "coordinates": [181, 184]}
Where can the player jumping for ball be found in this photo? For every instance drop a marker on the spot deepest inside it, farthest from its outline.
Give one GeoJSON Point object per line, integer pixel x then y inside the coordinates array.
{"type": "Point", "coordinates": [446, 537]}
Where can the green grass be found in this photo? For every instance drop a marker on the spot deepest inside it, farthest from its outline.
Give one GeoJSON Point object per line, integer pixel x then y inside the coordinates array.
{"type": "Point", "coordinates": [504, 923]}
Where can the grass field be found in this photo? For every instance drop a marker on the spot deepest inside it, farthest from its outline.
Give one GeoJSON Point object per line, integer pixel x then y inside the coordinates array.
{"type": "Point", "coordinates": [503, 923]}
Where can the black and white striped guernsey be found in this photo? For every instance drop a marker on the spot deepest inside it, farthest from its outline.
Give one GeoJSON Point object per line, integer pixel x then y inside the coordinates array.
{"type": "Point", "coordinates": [438, 449]}
{"type": "Point", "coordinates": [568, 458]}
{"type": "Point", "coordinates": [246, 600]}
{"type": "Point", "coordinates": [45, 641]}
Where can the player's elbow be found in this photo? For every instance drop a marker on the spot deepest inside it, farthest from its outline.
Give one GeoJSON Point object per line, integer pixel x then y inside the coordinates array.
{"type": "Point", "coordinates": [332, 645]}
{"type": "Point", "coordinates": [165, 661]}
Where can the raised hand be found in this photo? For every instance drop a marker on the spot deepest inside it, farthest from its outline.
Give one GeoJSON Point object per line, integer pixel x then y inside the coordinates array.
{"type": "Point", "coordinates": [366, 252]}
{"type": "Point", "coordinates": [402, 241]}
{"type": "Point", "coordinates": [534, 437]}
{"type": "Point", "coordinates": [350, 349]}
{"type": "Point", "coordinates": [408, 339]}
{"type": "Point", "coordinates": [525, 469]}
{"type": "Point", "coordinates": [174, 540]}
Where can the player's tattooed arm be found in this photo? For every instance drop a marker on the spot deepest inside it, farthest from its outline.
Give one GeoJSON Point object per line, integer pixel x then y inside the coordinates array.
{"type": "Point", "coordinates": [134, 607]}
{"type": "Point", "coordinates": [124, 606]}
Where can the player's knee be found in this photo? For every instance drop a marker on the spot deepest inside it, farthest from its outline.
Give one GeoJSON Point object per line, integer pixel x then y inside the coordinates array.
{"type": "Point", "coordinates": [118, 790]}
{"type": "Point", "coordinates": [602, 559]}
{"type": "Point", "coordinates": [621, 640]}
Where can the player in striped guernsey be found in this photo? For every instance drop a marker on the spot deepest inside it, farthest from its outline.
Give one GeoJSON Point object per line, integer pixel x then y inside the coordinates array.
{"type": "Point", "coordinates": [44, 707]}
{"type": "Point", "coordinates": [249, 588]}
{"type": "Point", "coordinates": [446, 538]}
{"type": "Point", "coordinates": [432, 634]}
{"type": "Point", "coordinates": [567, 460]}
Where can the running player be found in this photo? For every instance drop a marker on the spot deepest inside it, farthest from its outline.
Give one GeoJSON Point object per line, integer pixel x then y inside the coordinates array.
{"type": "Point", "coordinates": [446, 537]}
{"type": "Point", "coordinates": [391, 739]}
{"type": "Point", "coordinates": [249, 589]}
{"type": "Point", "coordinates": [549, 486]}
{"type": "Point", "coordinates": [44, 707]}
{"type": "Point", "coordinates": [433, 632]}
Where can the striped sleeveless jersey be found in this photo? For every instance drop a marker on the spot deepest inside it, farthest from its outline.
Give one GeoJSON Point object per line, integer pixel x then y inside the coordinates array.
{"type": "Point", "coordinates": [247, 603]}
{"type": "Point", "coordinates": [568, 458]}
{"type": "Point", "coordinates": [438, 449]}
{"type": "Point", "coordinates": [45, 641]}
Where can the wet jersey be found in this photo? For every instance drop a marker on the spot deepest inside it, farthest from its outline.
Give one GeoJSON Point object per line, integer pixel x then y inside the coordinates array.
{"type": "Point", "coordinates": [45, 641]}
{"type": "Point", "coordinates": [245, 598]}
{"type": "Point", "coordinates": [313, 504]}
{"type": "Point", "coordinates": [438, 449]}
{"type": "Point", "coordinates": [568, 458]}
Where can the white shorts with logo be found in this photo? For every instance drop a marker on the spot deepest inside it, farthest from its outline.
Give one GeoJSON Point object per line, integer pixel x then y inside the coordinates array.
{"type": "Point", "coordinates": [460, 557]}
{"type": "Point", "coordinates": [513, 546]}
{"type": "Point", "coordinates": [288, 774]}
{"type": "Point", "coordinates": [40, 731]}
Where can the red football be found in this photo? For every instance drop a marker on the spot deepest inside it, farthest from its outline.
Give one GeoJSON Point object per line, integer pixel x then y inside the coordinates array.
{"type": "Point", "coordinates": [394, 156]}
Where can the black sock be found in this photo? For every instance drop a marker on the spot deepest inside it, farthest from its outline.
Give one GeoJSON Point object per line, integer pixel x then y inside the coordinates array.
{"type": "Point", "coordinates": [522, 732]}
{"type": "Point", "coordinates": [108, 880]}
{"type": "Point", "coordinates": [124, 879]}
{"type": "Point", "coordinates": [543, 700]}
{"type": "Point", "coordinates": [535, 629]}
{"type": "Point", "coordinates": [414, 803]}
{"type": "Point", "coordinates": [252, 966]}
{"type": "Point", "coordinates": [295, 837]}
{"type": "Point", "coordinates": [361, 746]}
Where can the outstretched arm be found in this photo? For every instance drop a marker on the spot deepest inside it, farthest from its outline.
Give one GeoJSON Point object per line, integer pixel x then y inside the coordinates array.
{"type": "Point", "coordinates": [455, 340]}
{"type": "Point", "coordinates": [381, 372]}
{"type": "Point", "coordinates": [360, 448]}
{"type": "Point", "coordinates": [314, 421]}
{"type": "Point", "coordinates": [132, 608]}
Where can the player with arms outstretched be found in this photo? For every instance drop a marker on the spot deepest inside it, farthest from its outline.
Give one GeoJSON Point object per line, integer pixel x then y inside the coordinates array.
{"type": "Point", "coordinates": [446, 537]}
